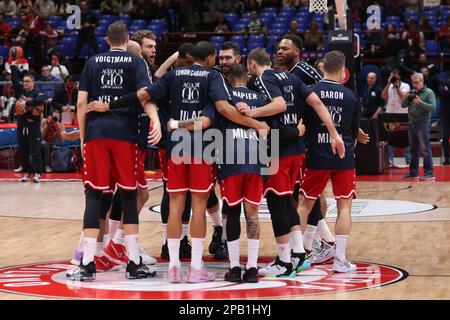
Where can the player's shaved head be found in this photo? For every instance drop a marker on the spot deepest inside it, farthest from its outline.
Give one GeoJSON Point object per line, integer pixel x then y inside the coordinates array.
{"type": "Point", "coordinates": [334, 61]}
{"type": "Point", "coordinates": [134, 48]}
{"type": "Point", "coordinates": [238, 72]}
{"type": "Point", "coordinates": [117, 33]}
{"type": "Point", "coordinates": [202, 50]}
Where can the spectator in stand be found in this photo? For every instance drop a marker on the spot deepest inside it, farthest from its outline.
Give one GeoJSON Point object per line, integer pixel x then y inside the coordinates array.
{"type": "Point", "coordinates": [7, 99]}
{"type": "Point", "coordinates": [47, 8]}
{"type": "Point", "coordinates": [61, 7]}
{"type": "Point", "coordinates": [412, 5]}
{"type": "Point", "coordinates": [141, 10]}
{"type": "Point", "coordinates": [125, 6]}
{"type": "Point", "coordinates": [426, 28]}
{"type": "Point", "coordinates": [444, 92]}
{"type": "Point", "coordinates": [415, 39]}
{"type": "Point", "coordinates": [444, 34]}
{"type": "Point", "coordinates": [51, 130]}
{"type": "Point", "coordinates": [256, 26]}
{"type": "Point", "coordinates": [221, 24]}
{"type": "Point", "coordinates": [109, 7]}
{"type": "Point", "coordinates": [5, 30]}
{"type": "Point", "coordinates": [86, 35]}
{"type": "Point", "coordinates": [252, 5]}
{"type": "Point", "coordinates": [57, 70]}
{"type": "Point", "coordinates": [314, 39]}
{"type": "Point", "coordinates": [373, 40]}
{"type": "Point", "coordinates": [424, 62]}
{"type": "Point", "coordinates": [431, 81]}
{"type": "Point", "coordinates": [293, 27]}
{"type": "Point", "coordinates": [8, 8]}
{"type": "Point", "coordinates": [319, 65]}
{"type": "Point", "coordinates": [373, 103]}
{"type": "Point", "coordinates": [420, 104]}
{"type": "Point", "coordinates": [394, 93]}
{"type": "Point", "coordinates": [291, 4]}
{"type": "Point", "coordinates": [390, 35]}
{"type": "Point", "coordinates": [65, 99]}
{"type": "Point", "coordinates": [236, 6]}
{"type": "Point", "coordinates": [24, 7]}
{"type": "Point", "coordinates": [159, 10]}
{"type": "Point", "coordinates": [49, 38]}
{"type": "Point", "coordinates": [47, 89]}
{"type": "Point", "coordinates": [393, 7]}
{"type": "Point", "coordinates": [20, 33]}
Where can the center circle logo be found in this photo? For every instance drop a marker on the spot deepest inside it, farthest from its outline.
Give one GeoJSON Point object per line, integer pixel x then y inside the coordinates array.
{"type": "Point", "coordinates": [48, 280]}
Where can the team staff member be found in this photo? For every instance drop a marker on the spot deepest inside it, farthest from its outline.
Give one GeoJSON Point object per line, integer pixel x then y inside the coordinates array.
{"type": "Point", "coordinates": [107, 77]}
{"type": "Point", "coordinates": [322, 163]}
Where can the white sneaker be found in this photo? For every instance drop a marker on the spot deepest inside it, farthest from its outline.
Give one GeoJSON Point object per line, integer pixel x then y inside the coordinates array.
{"type": "Point", "coordinates": [146, 259]}
{"type": "Point", "coordinates": [325, 253]}
{"type": "Point", "coordinates": [24, 178]}
{"type": "Point", "coordinates": [19, 169]}
{"type": "Point", "coordinates": [48, 169]}
{"type": "Point", "coordinates": [37, 178]}
{"type": "Point", "coordinates": [343, 266]}
{"type": "Point", "coordinates": [278, 269]}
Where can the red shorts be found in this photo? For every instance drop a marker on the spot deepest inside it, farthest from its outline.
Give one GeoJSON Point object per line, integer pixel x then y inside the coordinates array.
{"type": "Point", "coordinates": [163, 163]}
{"type": "Point", "coordinates": [142, 182]}
{"type": "Point", "coordinates": [108, 162]}
{"type": "Point", "coordinates": [288, 174]}
{"type": "Point", "coordinates": [315, 181]}
{"type": "Point", "coordinates": [191, 177]}
{"type": "Point", "coordinates": [242, 187]}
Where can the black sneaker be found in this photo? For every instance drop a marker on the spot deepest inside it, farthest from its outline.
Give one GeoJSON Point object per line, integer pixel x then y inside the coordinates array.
{"type": "Point", "coordinates": [216, 239]}
{"type": "Point", "coordinates": [222, 251]}
{"type": "Point", "coordinates": [138, 271]}
{"type": "Point", "coordinates": [251, 275]}
{"type": "Point", "coordinates": [300, 261]}
{"type": "Point", "coordinates": [165, 252]}
{"type": "Point", "coordinates": [233, 275]}
{"type": "Point", "coordinates": [185, 248]}
{"type": "Point", "coordinates": [82, 272]}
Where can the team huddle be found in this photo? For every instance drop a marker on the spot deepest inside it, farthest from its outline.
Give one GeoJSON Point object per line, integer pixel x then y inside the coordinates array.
{"type": "Point", "coordinates": [306, 123]}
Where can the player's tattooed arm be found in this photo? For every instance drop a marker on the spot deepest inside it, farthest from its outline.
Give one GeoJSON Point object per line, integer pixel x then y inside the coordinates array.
{"type": "Point", "coordinates": [193, 124]}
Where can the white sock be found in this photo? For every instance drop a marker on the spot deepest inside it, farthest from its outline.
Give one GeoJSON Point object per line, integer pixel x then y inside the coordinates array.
{"type": "Point", "coordinates": [119, 237]}
{"type": "Point", "coordinates": [224, 230]}
{"type": "Point", "coordinates": [184, 230]}
{"type": "Point", "coordinates": [317, 236]}
{"type": "Point", "coordinates": [88, 250]}
{"type": "Point", "coordinates": [197, 253]}
{"type": "Point", "coordinates": [105, 240]}
{"type": "Point", "coordinates": [113, 226]}
{"type": "Point", "coordinates": [252, 253]}
{"type": "Point", "coordinates": [216, 218]}
{"type": "Point", "coordinates": [132, 241]}
{"type": "Point", "coordinates": [283, 252]}
{"type": "Point", "coordinates": [233, 253]}
{"type": "Point", "coordinates": [98, 248]}
{"type": "Point", "coordinates": [291, 240]}
{"type": "Point", "coordinates": [341, 246]}
{"type": "Point", "coordinates": [297, 239]}
{"type": "Point", "coordinates": [308, 236]}
{"type": "Point", "coordinates": [164, 232]}
{"type": "Point", "coordinates": [80, 242]}
{"type": "Point", "coordinates": [174, 252]}
{"type": "Point", "coordinates": [324, 231]}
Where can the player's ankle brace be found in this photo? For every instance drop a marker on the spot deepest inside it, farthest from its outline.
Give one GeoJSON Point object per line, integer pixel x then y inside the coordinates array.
{"type": "Point", "coordinates": [129, 199]}
{"type": "Point", "coordinates": [316, 214]}
{"type": "Point", "coordinates": [278, 212]}
{"type": "Point", "coordinates": [233, 228]}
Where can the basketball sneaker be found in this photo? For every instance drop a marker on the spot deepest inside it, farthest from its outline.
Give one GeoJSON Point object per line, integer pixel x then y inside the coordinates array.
{"type": "Point", "coordinates": [343, 266]}
{"type": "Point", "coordinates": [165, 251]}
{"type": "Point", "coordinates": [116, 252]}
{"type": "Point", "coordinates": [82, 272]}
{"type": "Point", "coordinates": [24, 178]}
{"type": "Point", "coordinates": [146, 259]}
{"type": "Point", "coordinates": [221, 251]}
{"type": "Point", "coordinates": [76, 258]}
{"type": "Point", "coordinates": [300, 262]}
{"type": "Point", "coordinates": [216, 239]}
{"type": "Point", "coordinates": [185, 248]}
{"type": "Point", "coordinates": [138, 271]}
{"type": "Point", "coordinates": [325, 253]}
{"type": "Point", "coordinates": [250, 275]}
{"type": "Point", "coordinates": [37, 178]}
{"type": "Point", "coordinates": [201, 275]}
{"type": "Point", "coordinates": [175, 275]}
{"type": "Point", "coordinates": [316, 245]}
{"type": "Point", "coordinates": [278, 269]}
{"type": "Point", "coordinates": [233, 275]}
{"type": "Point", "coordinates": [103, 264]}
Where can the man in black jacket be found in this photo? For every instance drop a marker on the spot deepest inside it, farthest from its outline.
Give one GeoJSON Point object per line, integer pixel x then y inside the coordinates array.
{"type": "Point", "coordinates": [65, 98]}
{"type": "Point", "coordinates": [444, 91]}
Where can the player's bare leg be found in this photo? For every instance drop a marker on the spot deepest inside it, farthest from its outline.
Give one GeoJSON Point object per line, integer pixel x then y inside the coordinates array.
{"type": "Point", "coordinates": [253, 234]}
{"type": "Point", "coordinates": [342, 230]}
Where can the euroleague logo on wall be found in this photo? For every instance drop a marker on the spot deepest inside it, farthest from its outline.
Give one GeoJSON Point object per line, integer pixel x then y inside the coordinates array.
{"type": "Point", "coordinates": [48, 280]}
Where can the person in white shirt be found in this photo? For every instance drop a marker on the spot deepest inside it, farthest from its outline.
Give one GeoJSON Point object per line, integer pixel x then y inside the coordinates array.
{"type": "Point", "coordinates": [394, 93]}
{"type": "Point", "coordinates": [57, 70]}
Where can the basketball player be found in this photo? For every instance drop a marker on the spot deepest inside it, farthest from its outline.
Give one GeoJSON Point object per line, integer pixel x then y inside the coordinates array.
{"type": "Point", "coordinates": [282, 86]}
{"type": "Point", "coordinates": [106, 77]}
{"type": "Point", "coordinates": [322, 164]}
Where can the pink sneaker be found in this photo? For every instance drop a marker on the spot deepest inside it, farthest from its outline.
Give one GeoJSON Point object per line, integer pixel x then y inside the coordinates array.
{"type": "Point", "coordinates": [202, 275]}
{"type": "Point", "coordinates": [175, 274]}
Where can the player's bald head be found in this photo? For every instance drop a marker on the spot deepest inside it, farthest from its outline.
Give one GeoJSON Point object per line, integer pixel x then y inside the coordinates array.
{"type": "Point", "coordinates": [134, 48]}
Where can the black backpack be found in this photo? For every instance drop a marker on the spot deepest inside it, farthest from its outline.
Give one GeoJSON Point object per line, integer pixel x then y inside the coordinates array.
{"type": "Point", "coordinates": [62, 160]}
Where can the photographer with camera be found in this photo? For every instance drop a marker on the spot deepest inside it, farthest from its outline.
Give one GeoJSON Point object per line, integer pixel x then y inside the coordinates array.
{"type": "Point", "coordinates": [394, 93]}
{"type": "Point", "coordinates": [51, 130]}
{"type": "Point", "coordinates": [420, 103]}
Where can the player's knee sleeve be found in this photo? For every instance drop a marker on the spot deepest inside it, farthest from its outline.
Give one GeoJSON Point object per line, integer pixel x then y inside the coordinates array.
{"type": "Point", "coordinates": [116, 208]}
{"type": "Point", "coordinates": [130, 214]}
{"type": "Point", "coordinates": [92, 211]}
{"type": "Point", "coordinates": [106, 205]}
{"type": "Point", "coordinates": [280, 218]}
{"type": "Point", "coordinates": [296, 193]}
{"type": "Point", "coordinates": [187, 208]}
{"type": "Point", "coordinates": [316, 214]}
{"type": "Point", "coordinates": [212, 200]}
{"type": "Point", "coordinates": [165, 201]}
{"type": "Point", "coordinates": [234, 223]}
{"type": "Point", "coordinates": [294, 219]}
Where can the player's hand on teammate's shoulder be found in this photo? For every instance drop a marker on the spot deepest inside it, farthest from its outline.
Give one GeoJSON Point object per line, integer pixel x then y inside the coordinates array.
{"type": "Point", "coordinates": [97, 106]}
{"type": "Point", "coordinates": [337, 145]}
{"type": "Point", "coordinates": [363, 137]}
{"type": "Point", "coordinates": [155, 134]}
{"type": "Point", "coordinates": [301, 128]}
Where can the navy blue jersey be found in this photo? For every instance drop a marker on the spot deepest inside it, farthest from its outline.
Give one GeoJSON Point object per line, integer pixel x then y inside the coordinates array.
{"type": "Point", "coordinates": [272, 84]}
{"type": "Point", "coordinates": [307, 73]}
{"type": "Point", "coordinates": [107, 77]}
{"type": "Point", "coordinates": [192, 92]}
{"type": "Point", "coordinates": [344, 110]}
{"type": "Point", "coordinates": [242, 140]}
{"type": "Point", "coordinates": [143, 120]}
